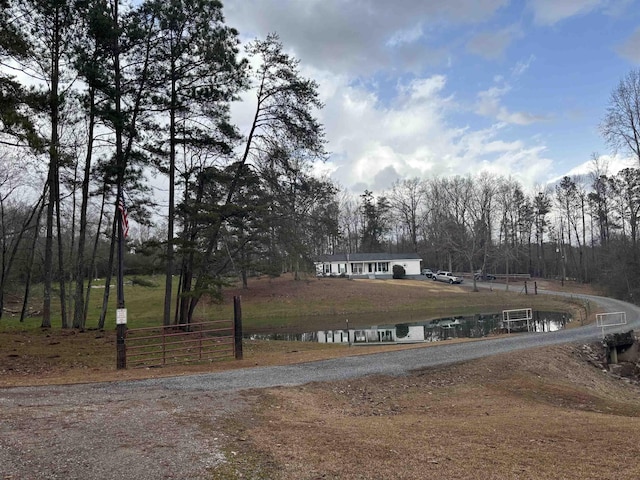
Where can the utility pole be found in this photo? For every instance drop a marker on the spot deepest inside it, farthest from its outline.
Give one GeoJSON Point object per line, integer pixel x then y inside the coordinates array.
{"type": "Point", "coordinates": [121, 311]}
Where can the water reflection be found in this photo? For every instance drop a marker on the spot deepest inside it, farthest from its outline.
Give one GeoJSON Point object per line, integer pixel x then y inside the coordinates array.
{"type": "Point", "coordinates": [476, 326]}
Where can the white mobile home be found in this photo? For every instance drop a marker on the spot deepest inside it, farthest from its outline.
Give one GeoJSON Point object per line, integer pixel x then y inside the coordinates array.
{"type": "Point", "coordinates": [367, 264]}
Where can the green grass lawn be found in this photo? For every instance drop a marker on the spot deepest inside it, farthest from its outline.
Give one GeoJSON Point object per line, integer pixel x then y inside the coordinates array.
{"type": "Point", "coordinates": [308, 305]}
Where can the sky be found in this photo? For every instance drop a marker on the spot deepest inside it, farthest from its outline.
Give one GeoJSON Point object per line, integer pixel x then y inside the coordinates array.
{"type": "Point", "coordinates": [433, 88]}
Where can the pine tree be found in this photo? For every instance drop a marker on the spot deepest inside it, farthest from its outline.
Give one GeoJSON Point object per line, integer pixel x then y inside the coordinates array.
{"type": "Point", "coordinates": [195, 76]}
{"type": "Point", "coordinates": [283, 120]}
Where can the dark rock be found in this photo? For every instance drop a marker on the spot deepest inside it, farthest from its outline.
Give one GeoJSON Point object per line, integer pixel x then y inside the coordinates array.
{"type": "Point", "coordinates": [630, 354]}
{"type": "Point", "coordinates": [620, 339]}
{"type": "Point", "coordinates": [624, 369]}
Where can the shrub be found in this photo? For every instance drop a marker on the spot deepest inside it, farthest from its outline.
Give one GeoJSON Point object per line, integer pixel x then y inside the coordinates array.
{"type": "Point", "coordinates": [399, 271]}
{"type": "Point", "coordinates": [143, 282]}
{"type": "Point", "coordinates": [402, 330]}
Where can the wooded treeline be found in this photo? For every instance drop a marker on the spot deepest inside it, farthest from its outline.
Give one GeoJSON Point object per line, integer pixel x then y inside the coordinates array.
{"type": "Point", "coordinates": [101, 100]}
{"type": "Point", "coordinates": [582, 228]}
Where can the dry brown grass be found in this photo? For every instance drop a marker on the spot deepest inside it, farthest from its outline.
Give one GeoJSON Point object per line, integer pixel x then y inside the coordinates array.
{"type": "Point", "coordinates": [331, 299]}
{"type": "Point", "coordinates": [539, 414]}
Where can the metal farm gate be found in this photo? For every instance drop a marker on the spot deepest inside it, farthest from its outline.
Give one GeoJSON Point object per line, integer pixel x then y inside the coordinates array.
{"type": "Point", "coordinates": [178, 344]}
{"type": "Point", "coordinates": [181, 343]}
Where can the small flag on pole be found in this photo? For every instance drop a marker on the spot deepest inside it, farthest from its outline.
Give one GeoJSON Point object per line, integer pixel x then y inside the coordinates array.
{"type": "Point", "coordinates": [123, 216]}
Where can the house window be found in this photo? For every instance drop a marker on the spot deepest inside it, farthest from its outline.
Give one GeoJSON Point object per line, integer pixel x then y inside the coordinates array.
{"type": "Point", "coordinates": [383, 266]}
{"type": "Point", "coordinates": [356, 268]}
{"type": "Point", "coordinates": [385, 336]}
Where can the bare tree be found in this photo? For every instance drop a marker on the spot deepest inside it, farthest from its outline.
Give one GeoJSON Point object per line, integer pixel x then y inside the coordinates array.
{"type": "Point", "coordinates": [599, 197]}
{"type": "Point", "coordinates": [349, 224]}
{"type": "Point", "coordinates": [507, 193]}
{"type": "Point", "coordinates": [467, 230]}
{"type": "Point", "coordinates": [16, 220]}
{"type": "Point", "coordinates": [541, 208]}
{"type": "Point", "coordinates": [627, 183]}
{"type": "Point", "coordinates": [407, 198]}
{"type": "Point", "coordinates": [569, 203]}
{"type": "Point", "coordinates": [621, 125]}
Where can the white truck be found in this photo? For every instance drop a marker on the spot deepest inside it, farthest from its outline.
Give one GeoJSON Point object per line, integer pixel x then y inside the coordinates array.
{"type": "Point", "coordinates": [444, 276]}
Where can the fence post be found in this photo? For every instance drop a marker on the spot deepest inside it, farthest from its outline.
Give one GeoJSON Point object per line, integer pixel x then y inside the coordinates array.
{"type": "Point", "coordinates": [164, 344]}
{"type": "Point", "coordinates": [237, 327]}
{"type": "Point", "coordinates": [121, 347]}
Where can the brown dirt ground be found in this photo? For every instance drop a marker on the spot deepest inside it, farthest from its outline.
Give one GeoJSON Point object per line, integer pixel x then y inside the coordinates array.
{"type": "Point", "coordinates": [547, 413]}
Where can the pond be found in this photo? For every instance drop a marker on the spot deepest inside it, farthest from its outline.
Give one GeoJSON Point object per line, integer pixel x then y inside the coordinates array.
{"type": "Point", "coordinates": [476, 326]}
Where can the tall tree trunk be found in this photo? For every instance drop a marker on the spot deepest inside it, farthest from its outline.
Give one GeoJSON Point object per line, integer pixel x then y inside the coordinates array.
{"type": "Point", "coordinates": [61, 267]}
{"type": "Point", "coordinates": [584, 242]}
{"type": "Point", "coordinates": [243, 267]}
{"type": "Point", "coordinates": [79, 316]}
{"type": "Point", "coordinates": [48, 246]}
{"type": "Point", "coordinates": [93, 261]}
{"type": "Point", "coordinates": [110, 267]}
{"type": "Point", "coordinates": [472, 270]}
{"type": "Point", "coordinates": [53, 175]}
{"type": "Point", "coordinates": [121, 162]}
{"type": "Point", "coordinates": [166, 319]}
{"type": "Point", "coordinates": [72, 250]}
{"type": "Point", "coordinates": [3, 254]}
{"type": "Point", "coordinates": [188, 262]}
{"type": "Point", "coordinates": [36, 231]}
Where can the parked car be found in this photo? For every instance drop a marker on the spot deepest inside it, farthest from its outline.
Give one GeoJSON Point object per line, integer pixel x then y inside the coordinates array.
{"type": "Point", "coordinates": [444, 276]}
{"type": "Point", "coordinates": [427, 272]}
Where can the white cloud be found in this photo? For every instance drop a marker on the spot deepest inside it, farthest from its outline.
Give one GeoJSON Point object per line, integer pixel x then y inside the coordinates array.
{"type": "Point", "coordinates": [521, 67]}
{"type": "Point", "coordinates": [492, 44]}
{"type": "Point", "coordinates": [550, 12]}
{"type": "Point", "coordinates": [374, 144]}
{"type": "Point", "coordinates": [389, 114]}
{"type": "Point", "coordinates": [630, 49]}
{"type": "Point", "coordinates": [616, 8]}
{"type": "Point", "coordinates": [358, 37]}
{"type": "Point", "coordinates": [407, 36]}
{"type": "Point", "coordinates": [614, 163]}
{"type": "Point", "coordinates": [490, 105]}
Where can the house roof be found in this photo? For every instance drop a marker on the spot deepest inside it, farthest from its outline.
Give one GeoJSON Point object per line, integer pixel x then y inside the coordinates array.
{"type": "Point", "coordinates": [368, 257]}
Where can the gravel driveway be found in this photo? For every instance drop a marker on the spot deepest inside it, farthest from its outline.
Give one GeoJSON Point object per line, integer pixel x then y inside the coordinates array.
{"type": "Point", "coordinates": [170, 427]}
{"type": "Point", "coordinates": [103, 431]}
